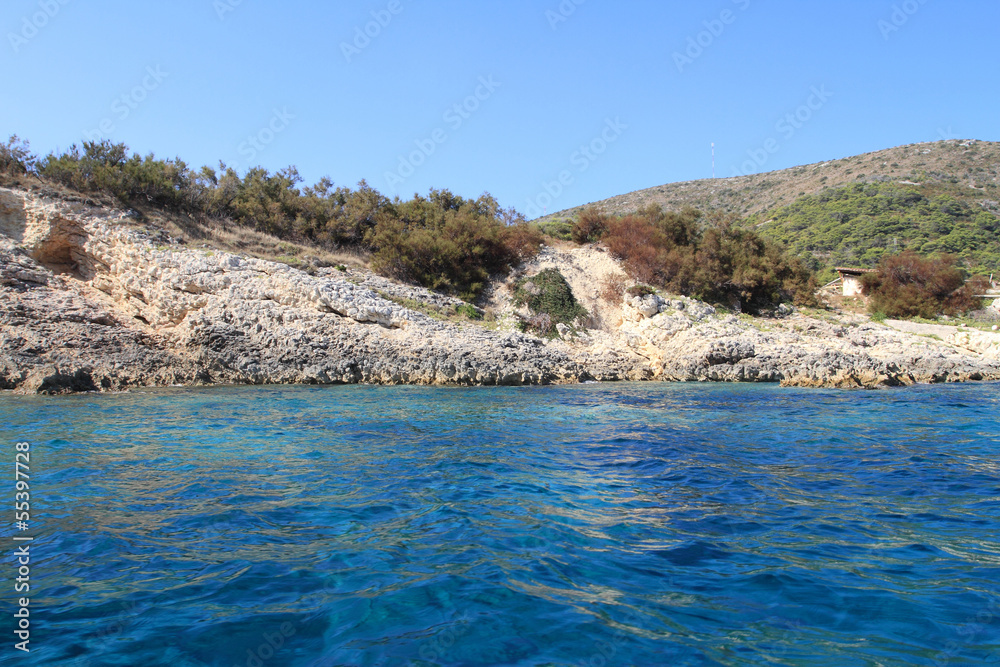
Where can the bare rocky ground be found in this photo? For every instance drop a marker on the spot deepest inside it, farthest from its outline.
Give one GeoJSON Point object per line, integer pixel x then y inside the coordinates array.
{"type": "Point", "coordinates": [90, 302]}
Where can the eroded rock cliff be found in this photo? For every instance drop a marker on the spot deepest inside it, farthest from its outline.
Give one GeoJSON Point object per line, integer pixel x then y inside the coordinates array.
{"type": "Point", "coordinates": [90, 300]}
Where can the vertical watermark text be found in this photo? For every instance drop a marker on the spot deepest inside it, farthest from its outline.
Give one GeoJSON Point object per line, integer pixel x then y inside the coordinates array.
{"type": "Point", "coordinates": [22, 552]}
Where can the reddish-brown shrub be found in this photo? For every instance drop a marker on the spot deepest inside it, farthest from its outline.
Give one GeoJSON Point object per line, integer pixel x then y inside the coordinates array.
{"type": "Point", "coordinates": [635, 241]}
{"type": "Point", "coordinates": [911, 285]}
{"type": "Point", "coordinates": [539, 323]}
{"type": "Point", "coordinates": [724, 262]}
{"type": "Point", "coordinates": [591, 226]}
{"type": "Point", "coordinates": [613, 288]}
{"type": "Point", "coordinates": [965, 299]}
{"type": "Point", "coordinates": [522, 241]}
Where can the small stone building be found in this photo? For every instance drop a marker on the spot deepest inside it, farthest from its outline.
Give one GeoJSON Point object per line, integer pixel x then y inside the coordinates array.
{"type": "Point", "coordinates": [851, 279]}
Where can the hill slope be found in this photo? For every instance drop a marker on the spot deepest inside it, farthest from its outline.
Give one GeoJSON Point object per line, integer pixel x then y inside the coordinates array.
{"type": "Point", "coordinates": [941, 196]}
{"type": "Point", "coordinates": [857, 224]}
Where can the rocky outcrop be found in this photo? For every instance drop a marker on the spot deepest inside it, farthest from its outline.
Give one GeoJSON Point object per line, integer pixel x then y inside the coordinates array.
{"type": "Point", "coordinates": [91, 301]}
{"type": "Point", "coordinates": [683, 339]}
{"type": "Point", "coordinates": [686, 340]}
{"type": "Point", "coordinates": [977, 342]}
{"type": "Point", "coordinates": [88, 302]}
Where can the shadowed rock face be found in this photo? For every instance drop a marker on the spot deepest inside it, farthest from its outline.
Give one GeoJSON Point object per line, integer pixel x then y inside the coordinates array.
{"type": "Point", "coordinates": [87, 303]}
{"type": "Point", "coordinates": [12, 222]}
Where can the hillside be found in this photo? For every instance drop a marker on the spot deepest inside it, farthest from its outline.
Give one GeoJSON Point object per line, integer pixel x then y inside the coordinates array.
{"type": "Point", "coordinates": [940, 196]}
{"type": "Point", "coordinates": [857, 224]}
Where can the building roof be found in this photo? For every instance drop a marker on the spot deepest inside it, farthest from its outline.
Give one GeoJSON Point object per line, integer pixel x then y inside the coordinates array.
{"type": "Point", "coordinates": [848, 271]}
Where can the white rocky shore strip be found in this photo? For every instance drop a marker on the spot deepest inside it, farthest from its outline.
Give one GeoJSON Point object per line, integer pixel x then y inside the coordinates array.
{"type": "Point", "coordinates": [89, 302]}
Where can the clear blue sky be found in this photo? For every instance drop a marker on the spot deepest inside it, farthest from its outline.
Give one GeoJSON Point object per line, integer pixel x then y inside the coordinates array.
{"type": "Point", "coordinates": [201, 77]}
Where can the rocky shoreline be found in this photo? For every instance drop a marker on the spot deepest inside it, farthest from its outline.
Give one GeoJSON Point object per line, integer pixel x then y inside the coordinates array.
{"type": "Point", "coordinates": [90, 301]}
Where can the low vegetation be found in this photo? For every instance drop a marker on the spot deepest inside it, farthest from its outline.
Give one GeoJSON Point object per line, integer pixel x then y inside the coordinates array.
{"type": "Point", "coordinates": [550, 299]}
{"type": "Point", "coordinates": [557, 229]}
{"type": "Point", "coordinates": [442, 241]}
{"type": "Point", "coordinates": [613, 288]}
{"type": "Point", "coordinates": [969, 171]}
{"type": "Point", "coordinates": [640, 290]}
{"type": "Point", "coordinates": [709, 257]}
{"type": "Point", "coordinates": [455, 245]}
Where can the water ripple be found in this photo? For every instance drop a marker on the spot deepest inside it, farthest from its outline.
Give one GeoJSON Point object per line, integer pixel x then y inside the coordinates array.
{"type": "Point", "coordinates": [588, 525]}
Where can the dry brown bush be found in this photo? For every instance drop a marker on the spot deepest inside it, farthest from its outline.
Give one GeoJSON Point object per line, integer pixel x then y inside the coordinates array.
{"type": "Point", "coordinates": [591, 226]}
{"type": "Point", "coordinates": [523, 241]}
{"type": "Point", "coordinates": [910, 285]}
{"type": "Point", "coordinates": [613, 288]}
{"type": "Point", "coordinates": [722, 262]}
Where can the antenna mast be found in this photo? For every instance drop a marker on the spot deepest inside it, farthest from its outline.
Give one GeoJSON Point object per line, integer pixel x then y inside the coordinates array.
{"type": "Point", "coordinates": [713, 159]}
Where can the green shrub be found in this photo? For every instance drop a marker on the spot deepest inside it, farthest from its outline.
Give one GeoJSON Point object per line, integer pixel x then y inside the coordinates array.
{"type": "Point", "coordinates": [469, 311]}
{"type": "Point", "coordinates": [16, 158]}
{"type": "Point", "coordinates": [106, 167]}
{"type": "Point", "coordinates": [640, 290]}
{"type": "Point", "coordinates": [548, 293]}
{"type": "Point", "coordinates": [557, 229]}
{"type": "Point", "coordinates": [454, 247]}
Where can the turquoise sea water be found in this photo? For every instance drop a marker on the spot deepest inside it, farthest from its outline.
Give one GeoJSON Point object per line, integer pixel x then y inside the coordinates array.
{"type": "Point", "coordinates": [594, 525]}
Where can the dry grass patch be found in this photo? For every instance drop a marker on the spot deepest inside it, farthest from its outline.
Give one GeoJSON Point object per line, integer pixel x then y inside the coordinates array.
{"type": "Point", "coordinates": [225, 236]}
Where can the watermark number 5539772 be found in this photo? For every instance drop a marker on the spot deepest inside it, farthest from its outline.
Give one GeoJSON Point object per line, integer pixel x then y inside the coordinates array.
{"type": "Point", "coordinates": [22, 557]}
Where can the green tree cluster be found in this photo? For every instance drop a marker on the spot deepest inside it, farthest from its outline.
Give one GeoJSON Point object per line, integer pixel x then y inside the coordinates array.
{"type": "Point", "coordinates": [557, 229]}
{"type": "Point", "coordinates": [16, 158]}
{"type": "Point", "coordinates": [858, 224]}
